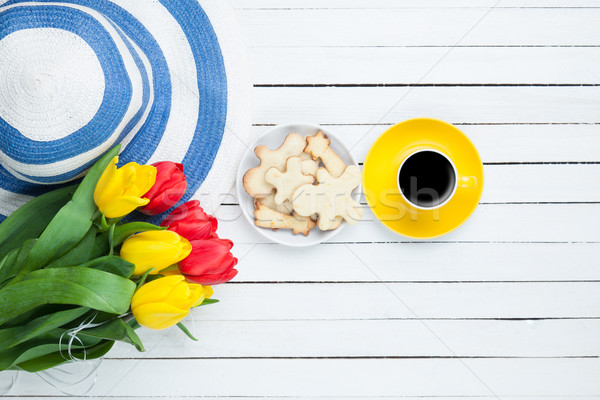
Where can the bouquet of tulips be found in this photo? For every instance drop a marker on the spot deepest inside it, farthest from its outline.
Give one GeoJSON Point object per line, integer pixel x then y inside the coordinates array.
{"type": "Point", "coordinates": [75, 277]}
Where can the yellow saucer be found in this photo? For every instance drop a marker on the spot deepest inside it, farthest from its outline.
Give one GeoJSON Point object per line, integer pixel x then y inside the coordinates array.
{"type": "Point", "coordinates": [380, 174]}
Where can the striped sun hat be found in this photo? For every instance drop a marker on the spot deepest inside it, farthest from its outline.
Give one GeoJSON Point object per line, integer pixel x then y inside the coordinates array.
{"type": "Point", "coordinates": [166, 78]}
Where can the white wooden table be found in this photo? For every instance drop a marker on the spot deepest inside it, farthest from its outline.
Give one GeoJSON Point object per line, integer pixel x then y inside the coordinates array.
{"type": "Point", "coordinates": [508, 306]}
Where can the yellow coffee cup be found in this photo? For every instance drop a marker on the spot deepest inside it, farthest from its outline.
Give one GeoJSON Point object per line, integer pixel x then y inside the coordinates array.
{"type": "Point", "coordinates": [423, 178]}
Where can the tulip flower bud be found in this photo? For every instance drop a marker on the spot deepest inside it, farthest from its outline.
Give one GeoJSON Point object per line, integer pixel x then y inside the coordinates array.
{"type": "Point", "coordinates": [190, 221]}
{"type": "Point", "coordinates": [154, 249]}
{"type": "Point", "coordinates": [119, 191]}
{"type": "Point", "coordinates": [210, 262]}
{"type": "Point", "coordinates": [169, 187]}
{"type": "Point", "coordinates": [164, 302]}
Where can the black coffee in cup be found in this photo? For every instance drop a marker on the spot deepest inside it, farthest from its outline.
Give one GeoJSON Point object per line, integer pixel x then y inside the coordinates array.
{"type": "Point", "coordinates": [427, 178]}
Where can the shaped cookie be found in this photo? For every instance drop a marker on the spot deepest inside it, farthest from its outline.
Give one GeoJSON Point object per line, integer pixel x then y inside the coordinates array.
{"type": "Point", "coordinates": [269, 202]}
{"type": "Point", "coordinates": [337, 221]}
{"type": "Point", "coordinates": [334, 224]}
{"type": "Point", "coordinates": [267, 218]}
{"type": "Point", "coordinates": [306, 156]}
{"type": "Point", "coordinates": [318, 147]}
{"type": "Point", "coordinates": [309, 167]}
{"type": "Point", "coordinates": [287, 182]}
{"type": "Point", "coordinates": [332, 197]}
{"type": "Point", "coordinates": [254, 179]}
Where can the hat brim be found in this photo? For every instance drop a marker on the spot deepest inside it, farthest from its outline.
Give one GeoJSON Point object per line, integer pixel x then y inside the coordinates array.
{"type": "Point", "coordinates": [189, 97]}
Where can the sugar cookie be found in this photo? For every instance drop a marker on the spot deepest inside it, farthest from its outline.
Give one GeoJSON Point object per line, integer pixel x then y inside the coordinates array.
{"type": "Point", "coordinates": [309, 167]}
{"type": "Point", "coordinates": [332, 197]}
{"type": "Point", "coordinates": [269, 202]}
{"type": "Point", "coordinates": [254, 179]}
{"type": "Point", "coordinates": [267, 218]}
{"type": "Point", "coordinates": [337, 221]}
{"type": "Point", "coordinates": [287, 182]}
{"type": "Point", "coordinates": [306, 156]}
{"type": "Point", "coordinates": [334, 224]}
{"type": "Point", "coordinates": [318, 147]}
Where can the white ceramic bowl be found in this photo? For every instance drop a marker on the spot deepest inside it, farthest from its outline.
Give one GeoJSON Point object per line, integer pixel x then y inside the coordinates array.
{"type": "Point", "coordinates": [273, 139]}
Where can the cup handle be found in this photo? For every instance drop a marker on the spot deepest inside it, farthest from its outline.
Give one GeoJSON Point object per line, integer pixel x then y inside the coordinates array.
{"type": "Point", "coordinates": [467, 182]}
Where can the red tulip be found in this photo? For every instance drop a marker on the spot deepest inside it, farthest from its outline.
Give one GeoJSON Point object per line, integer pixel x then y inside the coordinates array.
{"type": "Point", "coordinates": [169, 187]}
{"type": "Point", "coordinates": [190, 221]}
{"type": "Point", "coordinates": [210, 262]}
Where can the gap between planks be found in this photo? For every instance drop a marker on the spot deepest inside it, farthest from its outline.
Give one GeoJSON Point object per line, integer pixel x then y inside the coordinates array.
{"type": "Point", "coordinates": [453, 123]}
{"type": "Point", "coordinates": [427, 85]}
{"type": "Point", "coordinates": [349, 357]}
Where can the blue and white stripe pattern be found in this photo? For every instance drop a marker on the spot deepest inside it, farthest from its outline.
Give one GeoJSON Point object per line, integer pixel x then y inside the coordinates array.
{"type": "Point", "coordinates": [166, 78]}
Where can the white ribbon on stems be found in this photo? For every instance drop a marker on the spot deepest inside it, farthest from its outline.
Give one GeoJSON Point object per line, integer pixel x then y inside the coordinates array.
{"type": "Point", "coordinates": [79, 375]}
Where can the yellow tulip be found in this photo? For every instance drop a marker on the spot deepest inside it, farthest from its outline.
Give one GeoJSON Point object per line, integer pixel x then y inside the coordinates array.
{"type": "Point", "coordinates": [155, 249]}
{"type": "Point", "coordinates": [164, 302]}
{"type": "Point", "coordinates": [119, 190]}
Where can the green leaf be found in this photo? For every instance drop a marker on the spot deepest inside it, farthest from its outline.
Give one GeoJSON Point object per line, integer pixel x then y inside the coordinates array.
{"type": "Point", "coordinates": [10, 271]}
{"type": "Point", "coordinates": [143, 278]}
{"type": "Point", "coordinates": [54, 359]}
{"type": "Point", "coordinates": [115, 329]}
{"type": "Point", "coordinates": [174, 267]}
{"type": "Point", "coordinates": [111, 244]}
{"type": "Point", "coordinates": [9, 266]}
{"type": "Point", "coordinates": [153, 277]}
{"type": "Point", "coordinates": [185, 330]}
{"type": "Point", "coordinates": [37, 348]}
{"type": "Point", "coordinates": [37, 312]}
{"type": "Point", "coordinates": [24, 251]}
{"type": "Point", "coordinates": [207, 302]}
{"type": "Point", "coordinates": [112, 264]}
{"type": "Point", "coordinates": [25, 352]}
{"type": "Point", "coordinates": [122, 232]}
{"type": "Point", "coordinates": [84, 287]}
{"type": "Point", "coordinates": [101, 247]}
{"type": "Point", "coordinates": [70, 224]}
{"type": "Point", "coordinates": [78, 254]}
{"type": "Point", "coordinates": [133, 323]}
{"type": "Point", "coordinates": [10, 337]}
{"type": "Point", "coordinates": [103, 224]}
{"type": "Point", "coordinates": [31, 218]}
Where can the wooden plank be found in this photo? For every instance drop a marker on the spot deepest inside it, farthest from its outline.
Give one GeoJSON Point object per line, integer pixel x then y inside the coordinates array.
{"type": "Point", "coordinates": [371, 338]}
{"type": "Point", "coordinates": [422, 27]}
{"type": "Point", "coordinates": [404, 300]}
{"type": "Point", "coordinates": [496, 143]}
{"type": "Point", "coordinates": [343, 378]}
{"type": "Point", "coordinates": [541, 183]}
{"type": "Point", "coordinates": [533, 183]}
{"type": "Point", "coordinates": [547, 183]}
{"type": "Point", "coordinates": [420, 262]}
{"type": "Point", "coordinates": [402, 65]}
{"type": "Point", "coordinates": [489, 223]}
{"type": "Point", "coordinates": [394, 4]}
{"type": "Point", "coordinates": [45, 397]}
{"type": "Point", "coordinates": [336, 105]}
